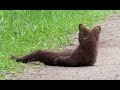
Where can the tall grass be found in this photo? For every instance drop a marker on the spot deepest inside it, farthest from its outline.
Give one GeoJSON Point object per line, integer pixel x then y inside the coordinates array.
{"type": "Point", "coordinates": [22, 31]}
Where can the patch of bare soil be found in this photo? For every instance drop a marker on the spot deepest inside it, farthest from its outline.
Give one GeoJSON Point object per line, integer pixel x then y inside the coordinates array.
{"type": "Point", "coordinates": [107, 66]}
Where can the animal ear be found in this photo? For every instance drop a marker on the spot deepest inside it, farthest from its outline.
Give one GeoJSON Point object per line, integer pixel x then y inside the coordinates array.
{"type": "Point", "coordinates": [96, 31]}
{"type": "Point", "coordinates": [82, 29]}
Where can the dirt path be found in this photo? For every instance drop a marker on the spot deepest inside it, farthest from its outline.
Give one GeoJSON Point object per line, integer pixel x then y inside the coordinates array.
{"type": "Point", "coordinates": [106, 67]}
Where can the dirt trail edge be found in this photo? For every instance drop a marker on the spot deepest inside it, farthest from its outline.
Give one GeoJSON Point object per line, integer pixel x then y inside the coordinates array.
{"type": "Point", "coordinates": [107, 66]}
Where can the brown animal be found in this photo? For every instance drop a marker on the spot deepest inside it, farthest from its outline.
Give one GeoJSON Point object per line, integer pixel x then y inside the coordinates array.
{"type": "Point", "coordinates": [84, 55]}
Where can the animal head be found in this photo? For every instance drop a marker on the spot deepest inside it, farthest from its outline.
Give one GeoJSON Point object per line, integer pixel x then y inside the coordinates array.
{"type": "Point", "coordinates": [87, 35]}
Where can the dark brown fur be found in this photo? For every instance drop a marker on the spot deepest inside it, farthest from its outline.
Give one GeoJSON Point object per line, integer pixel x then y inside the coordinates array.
{"type": "Point", "coordinates": [84, 55]}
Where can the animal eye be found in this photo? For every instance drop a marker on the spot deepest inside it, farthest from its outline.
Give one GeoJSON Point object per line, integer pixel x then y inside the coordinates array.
{"type": "Point", "coordinates": [84, 38]}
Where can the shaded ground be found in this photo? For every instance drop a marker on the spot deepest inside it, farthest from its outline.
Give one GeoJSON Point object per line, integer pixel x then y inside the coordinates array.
{"type": "Point", "coordinates": [106, 67]}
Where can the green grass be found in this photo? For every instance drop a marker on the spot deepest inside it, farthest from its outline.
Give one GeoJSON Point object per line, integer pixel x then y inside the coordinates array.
{"type": "Point", "coordinates": [22, 31]}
